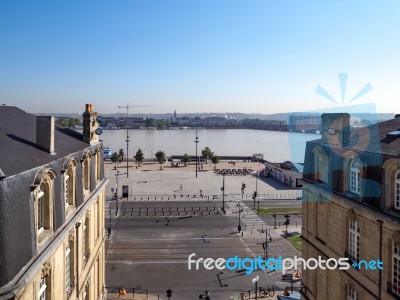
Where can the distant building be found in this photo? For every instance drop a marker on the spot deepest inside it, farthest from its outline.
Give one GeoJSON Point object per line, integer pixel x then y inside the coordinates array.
{"type": "Point", "coordinates": [211, 122]}
{"type": "Point", "coordinates": [301, 122]}
{"type": "Point", "coordinates": [351, 209]}
{"type": "Point", "coordinates": [51, 208]}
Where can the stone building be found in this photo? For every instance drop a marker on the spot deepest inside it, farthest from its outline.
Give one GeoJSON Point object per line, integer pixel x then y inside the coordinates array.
{"type": "Point", "coordinates": [51, 208]}
{"type": "Point", "coordinates": [351, 209]}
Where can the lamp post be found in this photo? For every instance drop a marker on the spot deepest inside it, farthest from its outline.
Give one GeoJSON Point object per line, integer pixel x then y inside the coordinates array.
{"type": "Point", "coordinates": [254, 280]}
{"type": "Point", "coordinates": [223, 192]}
{"type": "Point", "coordinates": [266, 246]}
{"type": "Point", "coordinates": [127, 133]}
{"type": "Point", "coordinates": [116, 203]}
{"type": "Point", "coordinates": [196, 141]}
{"type": "Point", "coordinates": [240, 209]}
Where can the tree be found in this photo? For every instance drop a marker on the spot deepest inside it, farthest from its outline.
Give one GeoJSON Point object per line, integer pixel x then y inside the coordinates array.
{"type": "Point", "coordinates": [139, 156]}
{"type": "Point", "coordinates": [160, 155]}
{"type": "Point", "coordinates": [186, 158]}
{"type": "Point", "coordinates": [215, 160]}
{"type": "Point", "coordinates": [207, 153]}
{"type": "Point", "coordinates": [150, 122]}
{"type": "Point", "coordinates": [121, 154]}
{"type": "Point", "coordinates": [115, 159]}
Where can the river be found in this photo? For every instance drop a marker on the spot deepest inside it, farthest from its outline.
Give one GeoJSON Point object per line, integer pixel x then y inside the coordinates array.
{"type": "Point", "coordinates": [276, 146]}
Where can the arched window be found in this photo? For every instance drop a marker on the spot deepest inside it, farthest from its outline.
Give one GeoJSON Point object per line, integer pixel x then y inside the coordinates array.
{"type": "Point", "coordinates": [69, 188]}
{"type": "Point", "coordinates": [43, 196]}
{"type": "Point", "coordinates": [86, 158]}
{"type": "Point", "coordinates": [321, 162]}
{"type": "Point", "coordinates": [355, 177]}
{"type": "Point", "coordinates": [397, 191]}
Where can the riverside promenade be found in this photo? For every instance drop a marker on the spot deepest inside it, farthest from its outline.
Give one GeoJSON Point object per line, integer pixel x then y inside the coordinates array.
{"type": "Point", "coordinates": [149, 251]}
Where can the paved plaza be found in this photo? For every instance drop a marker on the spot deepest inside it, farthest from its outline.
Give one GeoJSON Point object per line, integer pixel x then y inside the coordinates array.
{"type": "Point", "coordinates": [159, 225]}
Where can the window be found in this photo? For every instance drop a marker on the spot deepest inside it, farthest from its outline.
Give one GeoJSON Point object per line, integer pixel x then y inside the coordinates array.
{"type": "Point", "coordinates": [85, 240]}
{"type": "Point", "coordinates": [43, 194]}
{"type": "Point", "coordinates": [42, 289]}
{"type": "Point", "coordinates": [397, 191]}
{"type": "Point", "coordinates": [97, 165]}
{"type": "Point", "coordinates": [321, 162]}
{"type": "Point", "coordinates": [351, 293]}
{"type": "Point", "coordinates": [355, 177]}
{"type": "Point", "coordinates": [69, 177]}
{"type": "Point", "coordinates": [86, 174]}
{"type": "Point", "coordinates": [41, 211]}
{"type": "Point", "coordinates": [354, 240]}
{"type": "Point", "coordinates": [396, 269]}
{"type": "Point", "coordinates": [69, 283]}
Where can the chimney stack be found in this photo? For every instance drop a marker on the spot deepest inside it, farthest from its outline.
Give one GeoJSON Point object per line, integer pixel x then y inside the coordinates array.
{"type": "Point", "coordinates": [336, 128]}
{"type": "Point", "coordinates": [45, 133]}
{"type": "Point", "coordinates": [90, 125]}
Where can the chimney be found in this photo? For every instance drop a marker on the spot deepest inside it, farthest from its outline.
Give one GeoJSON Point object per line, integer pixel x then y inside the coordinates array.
{"type": "Point", "coordinates": [45, 133]}
{"type": "Point", "coordinates": [90, 125]}
{"type": "Point", "coordinates": [336, 128]}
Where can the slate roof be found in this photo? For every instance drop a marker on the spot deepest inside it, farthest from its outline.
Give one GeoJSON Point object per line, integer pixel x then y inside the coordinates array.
{"type": "Point", "coordinates": [373, 138]}
{"type": "Point", "coordinates": [18, 149]}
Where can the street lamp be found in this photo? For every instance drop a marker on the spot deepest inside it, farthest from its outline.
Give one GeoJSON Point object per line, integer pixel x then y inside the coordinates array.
{"type": "Point", "coordinates": [266, 246]}
{"type": "Point", "coordinates": [196, 141]}
{"type": "Point", "coordinates": [240, 209]}
{"type": "Point", "coordinates": [223, 192]}
{"type": "Point", "coordinates": [116, 194]}
{"type": "Point", "coordinates": [254, 280]}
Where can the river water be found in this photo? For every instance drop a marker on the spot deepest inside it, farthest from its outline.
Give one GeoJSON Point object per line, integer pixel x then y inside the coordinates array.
{"type": "Point", "coordinates": [276, 146]}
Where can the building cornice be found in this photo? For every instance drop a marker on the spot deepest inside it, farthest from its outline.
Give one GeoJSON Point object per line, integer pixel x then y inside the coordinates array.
{"type": "Point", "coordinates": [35, 265]}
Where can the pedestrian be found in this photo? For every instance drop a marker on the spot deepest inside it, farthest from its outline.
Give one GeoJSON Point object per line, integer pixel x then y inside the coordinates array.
{"type": "Point", "coordinates": [181, 187]}
{"type": "Point", "coordinates": [208, 295]}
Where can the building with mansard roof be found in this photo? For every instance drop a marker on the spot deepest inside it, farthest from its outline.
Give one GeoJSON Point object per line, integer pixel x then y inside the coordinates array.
{"type": "Point", "coordinates": [351, 209]}
{"type": "Point", "coordinates": [51, 208]}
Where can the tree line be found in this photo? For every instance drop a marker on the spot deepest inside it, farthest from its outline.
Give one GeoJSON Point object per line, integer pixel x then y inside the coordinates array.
{"type": "Point", "coordinates": [206, 154]}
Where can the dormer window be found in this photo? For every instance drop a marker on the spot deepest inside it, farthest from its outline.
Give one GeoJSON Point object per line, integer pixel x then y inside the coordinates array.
{"type": "Point", "coordinates": [69, 181]}
{"type": "Point", "coordinates": [43, 197]}
{"type": "Point", "coordinates": [321, 163]}
{"type": "Point", "coordinates": [353, 172]}
{"type": "Point", "coordinates": [355, 177]}
{"type": "Point", "coordinates": [86, 160]}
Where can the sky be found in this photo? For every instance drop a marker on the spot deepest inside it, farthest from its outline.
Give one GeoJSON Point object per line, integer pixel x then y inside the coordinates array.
{"type": "Point", "coordinates": [250, 56]}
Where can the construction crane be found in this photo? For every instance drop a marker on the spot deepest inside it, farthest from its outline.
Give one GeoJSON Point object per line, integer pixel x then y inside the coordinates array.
{"type": "Point", "coordinates": [127, 132]}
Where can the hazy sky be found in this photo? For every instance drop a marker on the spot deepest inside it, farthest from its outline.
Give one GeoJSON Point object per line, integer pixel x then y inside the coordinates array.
{"type": "Point", "coordinates": [197, 55]}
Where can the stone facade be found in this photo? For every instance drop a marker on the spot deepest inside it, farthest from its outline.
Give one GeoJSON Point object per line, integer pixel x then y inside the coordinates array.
{"type": "Point", "coordinates": [350, 210]}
